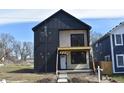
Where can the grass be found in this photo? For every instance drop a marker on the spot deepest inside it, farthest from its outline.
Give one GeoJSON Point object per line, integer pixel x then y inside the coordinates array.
{"type": "Point", "coordinates": [118, 77]}
{"type": "Point", "coordinates": [23, 73]}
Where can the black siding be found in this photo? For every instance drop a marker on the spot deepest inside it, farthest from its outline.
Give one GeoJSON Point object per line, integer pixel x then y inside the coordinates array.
{"type": "Point", "coordinates": [117, 50]}
{"type": "Point", "coordinates": [60, 21]}
{"type": "Point", "coordinates": [103, 49]}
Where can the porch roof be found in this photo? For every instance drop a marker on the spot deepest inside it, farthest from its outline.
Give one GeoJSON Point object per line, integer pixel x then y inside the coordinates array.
{"type": "Point", "coordinates": [86, 48]}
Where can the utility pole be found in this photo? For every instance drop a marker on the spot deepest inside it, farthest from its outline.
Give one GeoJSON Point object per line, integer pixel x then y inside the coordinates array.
{"type": "Point", "coordinates": [45, 33]}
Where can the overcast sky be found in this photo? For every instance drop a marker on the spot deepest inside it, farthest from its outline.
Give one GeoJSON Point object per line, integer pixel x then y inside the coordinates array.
{"type": "Point", "coordinates": [11, 16]}
{"type": "Point", "coordinates": [19, 23]}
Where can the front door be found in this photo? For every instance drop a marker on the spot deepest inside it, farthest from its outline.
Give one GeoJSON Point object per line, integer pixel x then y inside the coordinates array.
{"type": "Point", "coordinates": [63, 62]}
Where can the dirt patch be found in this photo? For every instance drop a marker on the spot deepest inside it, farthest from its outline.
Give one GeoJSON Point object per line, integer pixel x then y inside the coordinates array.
{"type": "Point", "coordinates": [25, 70]}
{"type": "Point", "coordinates": [86, 78]}
{"type": "Point", "coordinates": [45, 80]}
{"type": "Point", "coordinates": [113, 81]}
{"type": "Point", "coordinates": [76, 80]}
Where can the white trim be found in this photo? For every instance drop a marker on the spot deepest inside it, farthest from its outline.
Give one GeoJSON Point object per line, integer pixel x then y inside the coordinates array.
{"type": "Point", "coordinates": [112, 54]}
{"type": "Point", "coordinates": [118, 72]}
{"type": "Point", "coordinates": [107, 57]}
{"type": "Point", "coordinates": [96, 45]}
{"type": "Point", "coordinates": [117, 60]}
{"type": "Point", "coordinates": [116, 40]}
{"type": "Point", "coordinates": [119, 28]}
{"type": "Point", "coordinates": [65, 37]}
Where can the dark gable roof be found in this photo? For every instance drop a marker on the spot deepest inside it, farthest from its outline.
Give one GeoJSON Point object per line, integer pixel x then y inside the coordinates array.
{"type": "Point", "coordinates": [61, 11]}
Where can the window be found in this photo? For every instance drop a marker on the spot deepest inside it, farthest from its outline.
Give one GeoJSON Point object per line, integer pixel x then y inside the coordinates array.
{"type": "Point", "coordinates": [77, 39]}
{"type": "Point", "coordinates": [120, 60]}
{"type": "Point", "coordinates": [118, 39]}
{"type": "Point", "coordinates": [107, 58]}
{"type": "Point", "coordinates": [78, 57]}
{"type": "Point", "coordinates": [96, 45]}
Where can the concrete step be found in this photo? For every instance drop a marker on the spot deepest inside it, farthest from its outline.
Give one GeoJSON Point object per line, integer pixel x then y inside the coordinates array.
{"type": "Point", "coordinates": [62, 78]}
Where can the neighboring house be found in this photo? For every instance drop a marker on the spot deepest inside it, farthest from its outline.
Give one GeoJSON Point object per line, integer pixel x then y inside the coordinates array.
{"type": "Point", "coordinates": [110, 47]}
{"type": "Point", "coordinates": [61, 42]}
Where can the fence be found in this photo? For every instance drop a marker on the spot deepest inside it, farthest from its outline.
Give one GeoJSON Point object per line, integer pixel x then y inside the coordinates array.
{"type": "Point", "coordinates": [106, 66]}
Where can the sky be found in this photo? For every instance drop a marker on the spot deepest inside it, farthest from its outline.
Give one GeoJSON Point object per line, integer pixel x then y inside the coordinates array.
{"type": "Point", "coordinates": [19, 22]}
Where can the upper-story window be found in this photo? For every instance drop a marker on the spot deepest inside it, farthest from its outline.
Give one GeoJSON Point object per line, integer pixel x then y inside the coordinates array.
{"type": "Point", "coordinates": [77, 39]}
{"type": "Point", "coordinates": [118, 39]}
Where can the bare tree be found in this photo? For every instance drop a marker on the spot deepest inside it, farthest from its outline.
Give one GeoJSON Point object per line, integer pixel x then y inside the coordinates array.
{"type": "Point", "coordinates": [95, 36]}
{"type": "Point", "coordinates": [17, 49]}
{"type": "Point", "coordinates": [1, 51]}
{"type": "Point", "coordinates": [6, 43]}
{"type": "Point", "coordinates": [23, 50]}
{"type": "Point", "coordinates": [7, 40]}
{"type": "Point", "coordinates": [10, 48]}
{"type": "Point", "coordinates": [26, 50]}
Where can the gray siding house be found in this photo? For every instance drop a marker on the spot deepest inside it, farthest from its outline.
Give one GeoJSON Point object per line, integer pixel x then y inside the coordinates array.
{"type": "Point", "coordinates": [110, 47]}
{"type": "Point", "coordinates": [61, 42]}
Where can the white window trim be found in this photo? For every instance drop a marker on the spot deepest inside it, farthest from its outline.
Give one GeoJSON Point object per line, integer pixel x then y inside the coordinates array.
{"type": "Point", "coordinates": [96, 45]}
{"type": "Point", "coordinates": [117, 59]}
{"type": "Point", "coordinates": [116, 40]}
{"type": "Point", "coordinates": [107, 56]}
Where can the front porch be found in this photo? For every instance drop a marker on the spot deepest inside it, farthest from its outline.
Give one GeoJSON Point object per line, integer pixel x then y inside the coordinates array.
{"type": "Point", "coordinates": [65, 61]}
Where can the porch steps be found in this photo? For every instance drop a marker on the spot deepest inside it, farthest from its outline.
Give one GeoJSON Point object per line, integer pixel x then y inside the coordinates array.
{"type": "Point", "coordinates": [62, 78]}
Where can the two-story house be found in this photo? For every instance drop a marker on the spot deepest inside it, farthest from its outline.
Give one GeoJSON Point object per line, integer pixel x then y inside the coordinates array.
{"type": "Point", "coordinates": [61, 42]}
{"type": "Point", "coordinates": [110, 47]}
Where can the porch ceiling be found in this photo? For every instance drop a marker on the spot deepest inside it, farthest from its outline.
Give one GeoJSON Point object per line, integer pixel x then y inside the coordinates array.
{"type": "Point", "coordinates": [86, 48]}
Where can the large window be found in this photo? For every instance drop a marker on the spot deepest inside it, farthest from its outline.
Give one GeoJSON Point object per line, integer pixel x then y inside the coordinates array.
{"type": "Point", "coordinates": [120, 60]}
{"type": "Point", "coordinates": [118, 39]}
{"type": "Point", "coordinates": [77, 39]}
{"type": "Point", "coordinates": [78, 57]}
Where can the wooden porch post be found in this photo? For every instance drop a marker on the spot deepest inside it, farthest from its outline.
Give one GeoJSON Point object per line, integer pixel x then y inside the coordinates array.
{"type": "Point", "coordinates": [87, 58]}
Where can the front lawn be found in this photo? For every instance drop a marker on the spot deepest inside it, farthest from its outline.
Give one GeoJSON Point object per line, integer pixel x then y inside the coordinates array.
{"type": "Point", "coordinates": [17, 73]}
{"type": "Point", "coordinates": [119, 78]}
{"type": "Point", "coordinates": [21, 73]}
